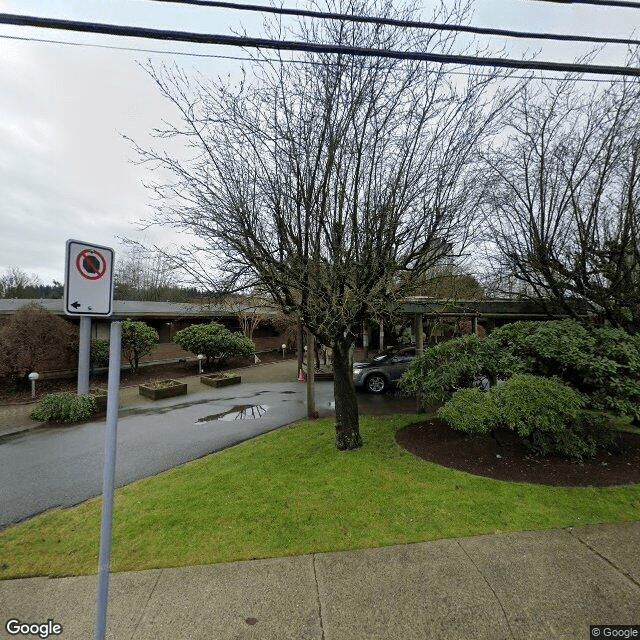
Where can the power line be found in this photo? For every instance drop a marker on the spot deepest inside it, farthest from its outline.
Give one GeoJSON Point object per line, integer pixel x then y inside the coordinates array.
{"type": "Point", "coordinates": [487, 31]}
{"type": "Point", "coordinates": [248, 59]}
{"type": "Point", "coordinates": [311, 47]}
{"type": "Point", "coordinates": [602, 3]}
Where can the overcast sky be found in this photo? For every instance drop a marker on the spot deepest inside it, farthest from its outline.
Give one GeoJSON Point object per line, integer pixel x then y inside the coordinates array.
{"type": "Point", "coordinates": [65, 169]}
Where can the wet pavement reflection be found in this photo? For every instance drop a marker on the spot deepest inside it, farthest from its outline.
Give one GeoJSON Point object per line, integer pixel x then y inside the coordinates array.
{"type": "Point", "coordinates": [239, 412]}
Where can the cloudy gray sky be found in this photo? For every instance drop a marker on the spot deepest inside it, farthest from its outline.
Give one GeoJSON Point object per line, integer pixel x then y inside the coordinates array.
{"type": "Point", "coordinates": [65, 169]}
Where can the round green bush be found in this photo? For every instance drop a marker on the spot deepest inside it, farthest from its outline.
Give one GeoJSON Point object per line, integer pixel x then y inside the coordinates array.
{"type": "Point", "coordinates": [64, 407]}
{"type": "Point", "coordinates": [528, 403]}
{"type": "Point", "coordinates": [99, 352]}
{"type": "Point", "coordinates": [215, 341]}
{"type": "Point", "coordinates": [602, 363]}
{"type": "Point", "coordinates": [546, 414]}
{"type": "Point", "coordinates": [470, 410]}
{"type": "Point", "coordinates": [441, 369]}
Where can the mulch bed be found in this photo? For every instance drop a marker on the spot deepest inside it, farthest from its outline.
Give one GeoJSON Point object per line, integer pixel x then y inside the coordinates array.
{"type": "Point", "coordinates": [502, 458]}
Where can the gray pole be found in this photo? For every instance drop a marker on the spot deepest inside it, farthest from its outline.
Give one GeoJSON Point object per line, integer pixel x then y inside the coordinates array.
{"type": "Point", "coordinates": [108, 479]}
{"type": "Point", "coordinates": [84, 355]}
{"type": "Point", "coordinates": [419, 351]}
{"type": "Point", "coordinates": [311, 396]}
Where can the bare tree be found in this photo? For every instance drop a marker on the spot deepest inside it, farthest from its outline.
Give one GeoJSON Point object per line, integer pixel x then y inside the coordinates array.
{"type": "Point", "coordinates": [147, 276]}
{"type": "Point", "coordinates": [563, 213]}
{"type": "Point", "coordinates": [447, 282]}
{"type": "Point", "coordinates": [15, 283]}
{"type": "Point", "coordinates": [251, 309]}
{"type": "Point", "coordinates": [323, 180]}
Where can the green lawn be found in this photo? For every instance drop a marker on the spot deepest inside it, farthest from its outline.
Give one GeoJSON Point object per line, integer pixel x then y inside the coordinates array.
{"type": "Point", "coordinates": [291, 492]}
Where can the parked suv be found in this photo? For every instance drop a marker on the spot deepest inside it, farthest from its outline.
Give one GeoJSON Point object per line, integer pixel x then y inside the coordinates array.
{"type": "Point", "coordinates": [378, 374]}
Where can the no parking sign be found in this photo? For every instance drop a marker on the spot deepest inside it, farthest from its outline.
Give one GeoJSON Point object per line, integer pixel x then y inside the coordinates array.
{"type": "Point", "coordinates": [88, 286]}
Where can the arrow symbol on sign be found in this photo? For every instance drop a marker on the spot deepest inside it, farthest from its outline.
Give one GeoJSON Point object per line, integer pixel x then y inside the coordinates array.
{"type": "Point", "coordinates": [75, 304]}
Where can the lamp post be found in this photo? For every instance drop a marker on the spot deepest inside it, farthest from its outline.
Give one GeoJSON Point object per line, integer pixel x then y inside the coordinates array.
{"type": "Point", "coordinates": [201, 357]}
{"type": "Point", "coordinates": [284, 347]}
{"type": "Point", "coordinates": [33, 377]}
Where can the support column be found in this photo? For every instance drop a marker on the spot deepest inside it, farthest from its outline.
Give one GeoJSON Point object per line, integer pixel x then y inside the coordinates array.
{"type": "Point", "coordinates": [365, 339]}
{"type": "Point", "coordinates": [311, 395]}
{"type": "Point", "coordinates": [417, 324]}
{"type": "Point", "coordinates": [418, 331]}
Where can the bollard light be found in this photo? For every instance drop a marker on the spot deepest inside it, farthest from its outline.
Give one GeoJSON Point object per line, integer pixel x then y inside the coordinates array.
{"type": "Point", "coordinates": [284, 347]}
{"type": "Point", "coordinates": [33, 377]}
{"type": "Point", "coordinates": [201, 357]}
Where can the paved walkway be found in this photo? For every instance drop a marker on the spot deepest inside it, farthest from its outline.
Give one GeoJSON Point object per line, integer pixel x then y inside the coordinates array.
{"type": "Point", "coordinates": [524, 585]}
{"type": "Point", "coordinates": [15, 418]}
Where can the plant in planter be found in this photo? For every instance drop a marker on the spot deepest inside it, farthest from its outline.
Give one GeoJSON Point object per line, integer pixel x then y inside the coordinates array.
{"type": "Point", "coordinates": [221, 379]}
{"type": "Point", "coordinates": [162, 389]}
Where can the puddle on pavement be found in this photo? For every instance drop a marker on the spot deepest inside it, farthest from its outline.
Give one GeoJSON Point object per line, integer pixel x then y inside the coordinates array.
{"type": "Point", "coordinates": [239, 412]}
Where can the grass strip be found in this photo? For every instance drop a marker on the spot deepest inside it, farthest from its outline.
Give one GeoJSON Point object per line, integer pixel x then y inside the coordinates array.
{"type": "Point", "coordinates": [291, 492]}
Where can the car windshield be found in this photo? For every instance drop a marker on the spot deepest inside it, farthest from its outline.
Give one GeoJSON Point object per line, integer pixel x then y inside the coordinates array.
{"type": "Point", "coordinates": [390, 354]}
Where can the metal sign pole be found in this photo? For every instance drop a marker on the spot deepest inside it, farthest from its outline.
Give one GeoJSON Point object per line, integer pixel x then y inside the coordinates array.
{"type": "Point", "coordinates": [84, 355]}
{"type": "Point", "coordinates": [108, 479]}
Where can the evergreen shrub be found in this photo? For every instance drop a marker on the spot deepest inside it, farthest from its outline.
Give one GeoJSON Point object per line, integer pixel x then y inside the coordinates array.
{"type": "Point", "coordinates": [548, 415]}
{"type": "Point", "coordinates": [64, 407]}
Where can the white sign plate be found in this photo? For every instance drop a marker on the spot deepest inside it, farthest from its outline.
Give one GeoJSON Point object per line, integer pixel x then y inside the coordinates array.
{"type": "Point", "coordinates": [88, 283]}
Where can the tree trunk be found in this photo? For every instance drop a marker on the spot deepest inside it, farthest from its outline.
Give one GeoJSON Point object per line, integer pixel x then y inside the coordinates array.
{"type": "Point", "coordinates": [347, 426]}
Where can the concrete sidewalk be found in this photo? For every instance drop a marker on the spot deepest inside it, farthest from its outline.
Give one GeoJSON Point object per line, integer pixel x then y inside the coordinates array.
{"type": "Point", "coordinates": [527, 585]}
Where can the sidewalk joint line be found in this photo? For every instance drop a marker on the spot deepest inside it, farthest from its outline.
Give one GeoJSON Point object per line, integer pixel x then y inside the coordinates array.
{"type": "Point", "coordinates": [495, 595]}
{"type": "Point", "coordinates": [315, 577]}
{"type": "Point", "coordinates": [146, 604]}
{"type": "Point", "coordinates": [613, 565]}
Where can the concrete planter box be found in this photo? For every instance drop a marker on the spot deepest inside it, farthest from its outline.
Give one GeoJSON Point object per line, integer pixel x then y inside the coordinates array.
{"type": "Point", "coordinates": [215, 380]}
{"type": "Point", "coordinates": [101, 400]}
{"type": "Point", "coordinates": [318, 376]}
{"type": "Point", "coordinates": [163, 389]}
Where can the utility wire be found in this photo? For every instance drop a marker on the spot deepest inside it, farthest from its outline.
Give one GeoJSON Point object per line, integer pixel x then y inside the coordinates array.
{"type": "Point", "coordinates": [602, 3]}
{"type": "Point", "coordinates": [310, 47]}
{"type": "Point", "coordinates": [262, 59]}
{"type": "Point", "coordinates": [487, 31]}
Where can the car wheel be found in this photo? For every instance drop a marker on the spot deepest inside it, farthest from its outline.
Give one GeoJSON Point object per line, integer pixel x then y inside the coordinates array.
{"type": "Point", "coordinates": [376, 383]}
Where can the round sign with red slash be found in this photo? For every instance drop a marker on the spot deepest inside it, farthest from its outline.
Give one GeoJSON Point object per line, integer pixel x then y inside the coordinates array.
{"type": "Point", "coordinates": [91, 264]}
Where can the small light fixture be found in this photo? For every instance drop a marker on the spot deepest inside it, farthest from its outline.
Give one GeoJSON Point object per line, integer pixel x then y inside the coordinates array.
{"type": "Point", "coordinates": [201, 357]}
{"type": "Point", "coordinates": [284, 347]}
{"type": "Point", "coordinates": [33, 377]}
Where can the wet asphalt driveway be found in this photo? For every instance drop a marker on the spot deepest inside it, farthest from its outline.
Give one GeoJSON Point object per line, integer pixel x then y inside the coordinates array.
{"type": "Point", "coordinates": [62, 466]}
